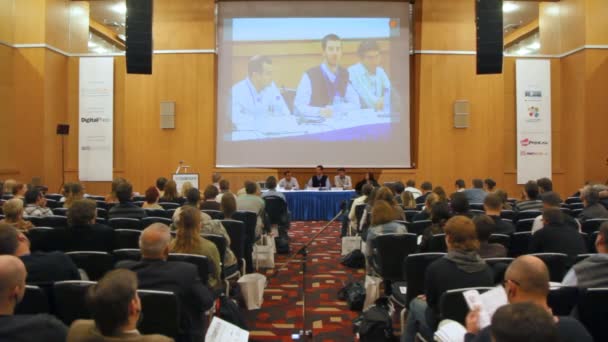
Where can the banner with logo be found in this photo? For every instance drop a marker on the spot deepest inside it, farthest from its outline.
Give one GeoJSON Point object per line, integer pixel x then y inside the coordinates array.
{"type": "Point", "coordinates": [533, 87]}
{"type": "Point", "coordinates": [96, 119]}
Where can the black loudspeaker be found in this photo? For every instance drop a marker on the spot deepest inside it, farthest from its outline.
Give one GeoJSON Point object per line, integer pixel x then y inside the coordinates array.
{"type": "Point", "coordinates": [63, 129]}
{"type": "Point", "coordinates": [139, 36]}
{"type": "Point", "coordinates": [489, 36]}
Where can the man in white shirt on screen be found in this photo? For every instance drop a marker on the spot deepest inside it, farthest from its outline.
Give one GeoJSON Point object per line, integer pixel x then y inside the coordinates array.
{"type": "Point", "coordinates": [369, 79]}
{"type": "Point", "coordinates": [256, 100]}
{"type": "Point", "coordinates": [342, 180]}
{"type": "Point", "coordinates": [288, 182]}
{"type": "Point", "coordinates": [325, 90]}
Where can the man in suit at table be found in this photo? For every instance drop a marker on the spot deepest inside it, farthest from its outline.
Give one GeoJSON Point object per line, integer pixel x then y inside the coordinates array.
{"type": "Point", "coordinates": [154, 272]}
{"type": "Point", "coordinates": [319, 180]}
{"type": "Point", "coordinates": [342, 180]}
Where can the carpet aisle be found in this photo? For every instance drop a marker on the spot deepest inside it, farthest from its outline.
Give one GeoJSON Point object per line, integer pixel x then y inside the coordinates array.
{"type": "Point", "coordinates": [281, 313]}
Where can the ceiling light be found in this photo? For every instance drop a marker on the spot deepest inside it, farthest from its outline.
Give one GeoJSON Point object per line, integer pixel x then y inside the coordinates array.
{"type": "Point", "coordinates": [509, 7]}
{"type": "Point", "coordinates": [120, 8]}
{"type": "Point", "coordinates": [92, 44]}
{"type": "Point", "coordinates": [534, 46]}
{"type": "Point", "coordinates": [522, 51]}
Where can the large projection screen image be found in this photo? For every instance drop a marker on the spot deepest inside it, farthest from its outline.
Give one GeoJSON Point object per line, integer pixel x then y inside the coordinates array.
{"type": "Point", "coordinates": [296, 89]}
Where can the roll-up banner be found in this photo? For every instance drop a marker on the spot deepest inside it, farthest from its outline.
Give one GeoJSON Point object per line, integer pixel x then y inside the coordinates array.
{"type": "Point", "coordinates": [96, 119]}
{"type": "Point", "coordinates": [533, 87]}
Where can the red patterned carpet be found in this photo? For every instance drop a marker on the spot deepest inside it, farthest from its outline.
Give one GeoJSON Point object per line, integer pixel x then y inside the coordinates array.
{"type": "Point", "coordinates": [326, 316]}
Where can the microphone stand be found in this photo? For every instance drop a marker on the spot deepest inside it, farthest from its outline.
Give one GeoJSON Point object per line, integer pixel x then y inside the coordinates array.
{"type": "Point", "coordinates": [304, 334]}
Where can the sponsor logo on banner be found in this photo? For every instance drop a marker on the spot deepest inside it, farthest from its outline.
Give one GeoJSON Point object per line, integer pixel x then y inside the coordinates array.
{"type": "Point", "coordinates": [95, 120]}
{"type": "Point", "coordinates": [528, 153]}
{"type": "Point", "coordinates": [526, 142]}
{"type": "Point", "coordinates": [533, 95]}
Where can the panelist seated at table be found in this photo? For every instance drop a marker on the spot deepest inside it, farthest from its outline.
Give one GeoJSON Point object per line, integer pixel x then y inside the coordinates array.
{"type": "Point", "coordinates": [369, 79]}
{"type": "Point", "coordinates": [342, 180]}
{"type": "Point", "coordinates": [325, 90]}
{"type": "Point", "coordinates": [288, 182]}
{"type": "Point", "coordinates": [256, 100]}
{"type": "Point", "coordinates": [319, 180]}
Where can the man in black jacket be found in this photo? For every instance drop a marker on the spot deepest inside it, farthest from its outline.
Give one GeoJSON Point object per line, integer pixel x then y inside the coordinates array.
{"type": "Point", "coordinates": [154, 272]}
{"type": "Point", "coordinates": [492, 205]}
{"type": "Point", "coordinates": [83, 234]}
{"type": "Point", "coordinates": [41, 267]}
{"type": "Point", "coordinates": [557, 237]}
{"type": "Point", "coordinates": [125, 209]}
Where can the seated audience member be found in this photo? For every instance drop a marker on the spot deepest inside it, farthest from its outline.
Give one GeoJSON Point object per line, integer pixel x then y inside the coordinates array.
{"type": "Point", "coordinates": [35, 204]}
{"type": "Point", "coordinates": [75, 193]}
{"type": "Point", "coordinates": [151, 199]}
{"type": "Point", "coordinates": [271, 184]}
{"type": "Point", "coordinates": [7, 188]}
{"type": "Point", "coordinates": [398, 188]}
{"type": "Point", "coordinates": [285, 220]}
{"type": "Point", "coordinates": [365, 220]}
{"type": "Point", "coordinates": [367, 179]}
{"type": "Point", "coordinates": [425, 213]}
{"type": "Point", "coordinates": [489, 184]}
{"type": "Point", "coordinates": [523, 322]}
{"type": "Point", "coordinates": [440, 214]}
{"type": "Point", "coordinates": [209, 202]}
{"type": "Point", "coordinates": [544, 185]}
{"type": "Point", "coordinates": [111, 197]}
{"type": "Point", "coordinates": [288, 182]}
{"type": "Point", "coordinates": [22, 328]}
{"type": "Point", "coordinates": [41, 267]}
{"type": "Point", "coordinates": [19, 191]}
{"type": "Point", "coordinates": [13, 215]}
{"type": "Point", "coordinates": [427, 189]}
{"type": "Point", "coordinates": [492, 205]}
{"type": "Point", "coordinates": [352, 216]}
{"type": "Point", "coordinates": [476, 194]}
{"type": "Point", "coordinates": [254, 203]}
{"type": "Point", "coordinates": [551, 199]}
{"type": "Point", "coordinates": [342, 180]}
{"type": "Point", "coordinates": [383, 222]}
{"type": "Point", "coordinates": [461, 267]}
{"type": "Point", "coordinates": [460, 204]}
{"type": "Point", "coordinates": [410, 186]}
{"type": "Point", "coordinates": [443, 197]}
{"type": "Point", "coordinates": [408, 201]}
{"type": "Point", "coordinates": [210, 226]}
{"type": "Point", "coordinates": [189, 241]}
{"type": "Point", "coordinates": [185, 187]}
{"type": "Point", "coordinates": [460, 185]}
{"type": "Point", "coordinates": [193, 199]}
{"type": "Point", "coordinates": [160, 186]}
{"type": "Point", "coordinates": [485, 227]}
{"type": "Point", "coordinates": [228, 205]}
{"type": "Point", "coordinates": [154, 272]}
{"type": "Point", "coordinates": [386, 194]}
{"type": "Point", "coordinates": [527, 281]}
{"type": "Point", "coordinates": [557, 237]}
{"type": "Point", "coordinates": [83, 233]}
{"type": "Point", "coordinates": [224, 188]}
{"type": "Point", "coordinates": [216, 178]}
{"type": "Point", "coordinates": [592, 208]}
{"type": "Point", "coordinates": [504, 198]}
{"type": "Point", "coordinates": [171, 194]}
{"type": "Point", "coordinates": [116, 310]}
{"type": "Point", "coordinates": [319, 180]}
{"type": "Point", "coordinates": [531, 201]}
{"type": "Point", "coordinates": [593, 271]}
{"type": "Point", "coordinates": [125, 208]}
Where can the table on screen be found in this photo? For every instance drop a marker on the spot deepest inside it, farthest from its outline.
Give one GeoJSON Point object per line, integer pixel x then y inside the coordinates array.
{"type": "Point", "coordinates": [314, 205]}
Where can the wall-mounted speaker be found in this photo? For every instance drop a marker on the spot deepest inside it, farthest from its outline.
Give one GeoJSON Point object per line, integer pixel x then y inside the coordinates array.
{"type": "Point", "coordinates": [462, 109]}
{"type": "Point", "coordinates": [489, 36]}
{"type": "Point", "coordinates": [139, 36]}
{"type": "Point", "coordinates": [167, 115]}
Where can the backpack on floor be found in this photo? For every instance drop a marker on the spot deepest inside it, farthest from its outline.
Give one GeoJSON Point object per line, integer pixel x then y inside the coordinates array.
{"type": "Point", "coordinates": [281, 244]}
{"type": "Point", "coordinates": [229, 311]}
{"type": "Point", "coordinates": [354, 294]}
{"type": "Point", "coordinates": [354, 259]}
{"type": "Point", "coordinates": [376, 323]}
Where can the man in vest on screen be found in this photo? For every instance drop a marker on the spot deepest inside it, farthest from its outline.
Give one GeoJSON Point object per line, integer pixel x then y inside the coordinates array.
{"type": "Point", "coordinates": [325, 90]}
{"type": "Point", "coordinates": [257, 102]}
{"type": "Point", "coordinates": [369, 79]}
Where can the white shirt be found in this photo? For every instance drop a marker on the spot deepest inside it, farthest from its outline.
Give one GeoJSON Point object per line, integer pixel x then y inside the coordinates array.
{"type": "Point", "coordinates": [539, 224]}
{"type": "Point", "coordinates": [251, 110]}
{"type": "Point", "coordinates": [370, 87]}
{"type": "Point", "coordinates": [289, 184]}
{"type": "Point", "coordinates": [415, 192]}
{"type": "Point", "coordinates": [302, 106]}
{"type": "Point", "coordinates": [343, 183]}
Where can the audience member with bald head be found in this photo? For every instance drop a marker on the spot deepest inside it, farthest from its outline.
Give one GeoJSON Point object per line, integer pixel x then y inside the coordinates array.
{"type": "Point", "coordinates": [593, 271]}
{"type": "Point", "coordinates": [154, 272]}
{"type": "Point", "coordinates": [42, 267]}
{"type": "Point", "coordinates": [461, 267]}
{"type": "Point", "coordinates": [22, 328]}
{"type": "Point", "coordinates": [527, 281]}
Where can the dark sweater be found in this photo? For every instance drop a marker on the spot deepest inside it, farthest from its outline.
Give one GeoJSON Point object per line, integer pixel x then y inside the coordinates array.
{"type": "Point", "coordinates": [49, 267]}
{"type": "Point", "coordinates": [27, 328]}
{"type": "Point", "coordinates": [90, 237]}
{"type": "Point", "coordinates": [568, 330]}
{"type": "Point", "coordinates": [503, 227]}
{"type": "Point", "coordinates": [558, 239]}
{"type": "Point", "coordinates": [126, 210]}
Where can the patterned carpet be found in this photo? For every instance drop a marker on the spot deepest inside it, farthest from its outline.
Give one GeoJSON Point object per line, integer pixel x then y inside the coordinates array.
{"type": "Point", "coordinates": [327, 317]}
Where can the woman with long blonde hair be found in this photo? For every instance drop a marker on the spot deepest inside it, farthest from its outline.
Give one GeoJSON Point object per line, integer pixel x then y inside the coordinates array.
{"type": "Point", "coordinates": [74, 193]}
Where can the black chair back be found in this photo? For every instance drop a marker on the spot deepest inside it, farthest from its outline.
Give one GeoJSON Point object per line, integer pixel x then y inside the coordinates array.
{"type": "Point", "coordinates": [437, 244]}
{"type": "Point", "coordinates": [35, 301]}
{"type": "Point", "coordinates": [102, 213]}
{"type": "Point", "coordinates": [200, 261]}
{"type": "Point", "coordinates": [499, 267]}
{"type": "Point", "coordinates": [593, 312]}
{"type": "Point", "coordinates": [359, 209]}
{"type": "Point", "coordinates": [126, 254]}
{"type": "Point", "coordinates": [53, 197]}
{"type": "Point", "coordinates": [147, 221]}
{"type": "Point", "coordinates": [562, 300]}
{"type": "Point", "coordinates": [390, 251]}
{"type": "Point", "coordinates": [46, 239]}
{"type": "Point", "coordinates": [125, 223]}
{"type": "Point", "coordinates": [507, 214]}
{"type": "Point", "coordinates": [520, 242]}
{"type": "Point", "coordinates": [102, 205]}
{"type": "Point", "coordinates": [139, 198]}
{"type": "Point", "coordinates": [52, 204]}
{"type": "Point", "coordinates": [51, 221]}
{"type": "Point", "coordinates": [96, 198]}
{"type": "Point", "coordinates": [591, 242]}
{"type": "Point", "coordinates": [576, 206]}
{"type": "Point", "coordinates": [414, 267]}
{"type": "Point", "coordinates": [452, 304]}
{"type": "Point", "coordinates": [524, 225]}
{"type": "Point", "coordinates": [96, 264]}
{"type": "Point", "coordinates": [476, 206]}
{"type": "Point", "coordinates": [236, 232]}
{"type": "Point", "coordinates": [157, 213]}
{"type": "Point", "coordinates": [249, 218]}
{"type": "Point", "coordinates": [160, 313]}
{"type": "Point", "coordinates": [571, 200]}
{"type": "Point", "coordinates": [418, 227]}
{"type": "Point", "coordinates": [582, 257]}
{"type": "Point", "coordinates": [220, 243]}
{"type": "Point", "coordinates": [169, 205]}
{"type": "Point", "coordinates": [592, 225]}
{"type": "Point", "coordinates": [502, 239]}
{"type": "Point", "coordinates": [276, 209]}
{"type": "Point", "coordinates": [126, 238]}
{"type": "Point", "coordinates": [60, 211]}
{"type": "Point", "coordinates": [527, 214]}
{"type": "Point", "coordinates": [69, 300]}
{"type": "Point", "coordinates": [214, 214]}
{"type": "Point", "coordinates": [557, 263]}
{"type": "Point", "coordinates": [409, 214]}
